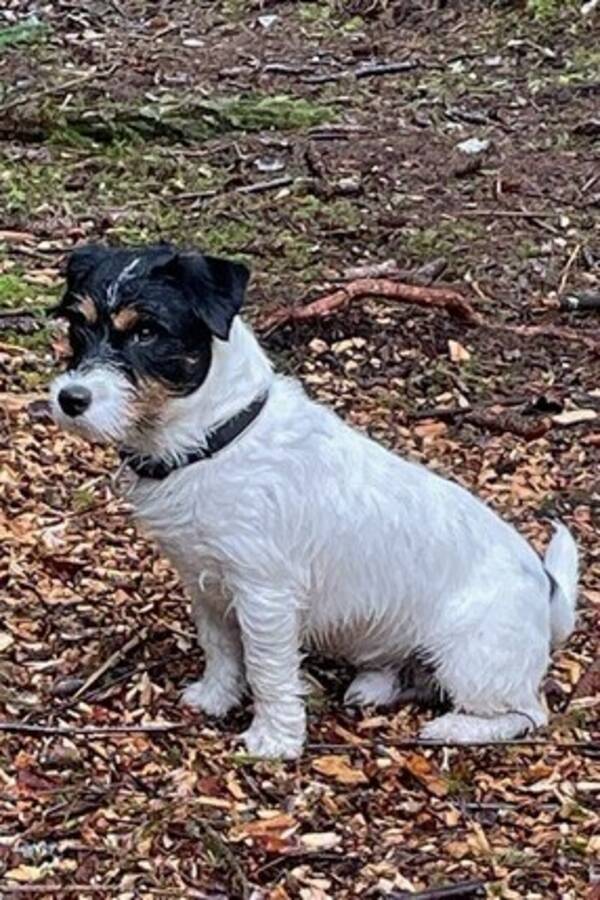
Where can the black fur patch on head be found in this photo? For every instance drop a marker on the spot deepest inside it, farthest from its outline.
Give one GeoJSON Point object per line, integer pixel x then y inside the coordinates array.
{"type": "Point", "coordinates": [152, 312]}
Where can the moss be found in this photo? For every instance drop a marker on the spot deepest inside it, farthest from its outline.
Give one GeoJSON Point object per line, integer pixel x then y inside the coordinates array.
{"type": "Point", "coordinates": [547, 9]}
{"type": "Point", "coordinates": [31, 31]}
{"type": "Point", "coordinates": [441, 240]}
{"type": "Point", "coordinates": [13, 291]}
{"type": "Point", "coordinates": [175, 121]}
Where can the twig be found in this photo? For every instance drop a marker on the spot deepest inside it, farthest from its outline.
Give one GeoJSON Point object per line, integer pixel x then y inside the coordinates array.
{"type": "Point", "coordinates": [374, 287]}
{"type": "Point", "coordinates": [386, 68]}
{"type": "Point", "coordinates": [591, 341]}
{"type": "Point", "coordinates": [507, 213]}
{"type": "Point", "coordinates": [112, 660]}
{"type": "Point", "coordinates": [415, 743]}
{"type": "Point", "coordinates": [459, 890]}
{"type": "Point", "coordinates": [228, 854]}
{"type": "Point", "coordinates": [58, 88]}
{"type": "Point", "coordinates": [21, 313]}
{"type": "Point", "coordinates": [567, 269]}
{"type": "Point", "coordinates": [150, 727]}
{"type": "Point", "coordinates": [260, 186]}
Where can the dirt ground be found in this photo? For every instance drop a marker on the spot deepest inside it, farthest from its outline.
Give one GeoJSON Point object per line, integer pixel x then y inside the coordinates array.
{"type": "Point", "coordinates": [127, 122]}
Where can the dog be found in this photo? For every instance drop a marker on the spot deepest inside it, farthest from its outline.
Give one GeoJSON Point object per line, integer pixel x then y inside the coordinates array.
{"type": "Point", "coordinates": [290, 529]}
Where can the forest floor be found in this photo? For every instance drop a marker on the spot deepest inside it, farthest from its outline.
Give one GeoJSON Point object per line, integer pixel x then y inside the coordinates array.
{"type": "Point", "coordinates": [128, 122]}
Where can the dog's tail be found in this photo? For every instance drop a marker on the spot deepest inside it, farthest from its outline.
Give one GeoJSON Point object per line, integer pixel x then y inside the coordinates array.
{"type": "Point", "coordinates": [561, 564]}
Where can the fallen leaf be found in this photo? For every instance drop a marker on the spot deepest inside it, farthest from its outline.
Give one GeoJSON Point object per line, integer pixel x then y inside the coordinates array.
{"type": "Point", "coordinates": [457, 352]}
{"type": "Point", "coordinates": [262, 826]}
{"type": "Point", "coordinates": [427, 774]}
{"type": "Point", "coordinates": [340, 769]}
{"type": "Point", "coordinates": [25, 874]}
{"type": "Point", "coordinates": [574, 416]}
{"type": "Point", "coordinates": [6, 640]}
{"type": "Point", "coordinates": [320, 840]}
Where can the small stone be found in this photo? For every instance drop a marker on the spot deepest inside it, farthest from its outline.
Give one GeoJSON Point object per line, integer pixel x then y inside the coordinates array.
{"type": "Point", "coordinates": [473, 146]}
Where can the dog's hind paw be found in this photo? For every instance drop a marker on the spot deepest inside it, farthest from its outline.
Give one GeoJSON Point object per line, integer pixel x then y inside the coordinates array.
{"type": "Point", "coordinates": [461, 728]}
{"type": "Point", "coordinates": [374, 687]}
{"type": "Point", "coordinates": [210, 697]}
{"type": "Point", "coordinates": [270, 743]}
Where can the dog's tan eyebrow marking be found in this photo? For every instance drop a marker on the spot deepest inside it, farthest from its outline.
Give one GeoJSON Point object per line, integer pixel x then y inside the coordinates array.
{"type": "Point", "coordinates": [125, 319]}
{"type": "Point", "coordinates": [86, 306]}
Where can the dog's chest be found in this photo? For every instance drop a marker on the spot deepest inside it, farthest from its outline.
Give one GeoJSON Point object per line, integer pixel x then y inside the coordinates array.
{"type": "Point", "coordinates": [175, 520]}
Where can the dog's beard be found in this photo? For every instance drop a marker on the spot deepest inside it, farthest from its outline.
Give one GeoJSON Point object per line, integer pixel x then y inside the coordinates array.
{"type": "Point", "coordinates": [110, 415]}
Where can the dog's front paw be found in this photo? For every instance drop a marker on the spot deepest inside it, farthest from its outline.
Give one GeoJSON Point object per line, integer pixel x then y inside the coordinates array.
{"type": "Point", "coordinates": [210, 697]}
{"type": "Point", "coordinates": [269, 742]}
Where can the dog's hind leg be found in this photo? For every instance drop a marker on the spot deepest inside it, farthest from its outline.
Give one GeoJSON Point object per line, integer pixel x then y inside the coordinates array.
{"type": "Point", "coordinates": [492, 673]}
{"type": "Point", "coordinates": [222, 685]}
{"type": "Point", "coordinates": [374, 687]}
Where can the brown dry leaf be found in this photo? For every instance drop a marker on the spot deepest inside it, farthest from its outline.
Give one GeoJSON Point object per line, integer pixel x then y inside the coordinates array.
{"type": "Point", "coordinates": [479, 841]}
{"type": "Point", "coordinates": [6, 640]}
{"type": "Point", "coordinates": [458, 353]}
{"type": "Point", "coordinates": [426, 773]}
{"type": "Point", "coordinates": [340, 769]}
{"type": "Point", "coordinates": [259, 827]}
{"type": "Point", "coordinates": [430, 429]}
{"type": "Point", "coordinates": [26, 874]}
{"type": "Point", "coordinates": [574, 416]}
{"type": "Point", "coordinates": [320, 840]}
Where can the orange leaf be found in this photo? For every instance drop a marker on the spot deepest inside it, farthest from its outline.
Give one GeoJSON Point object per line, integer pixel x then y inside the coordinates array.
{"type": "Point", "coordinates": [340, 769]}
{"type": "Point", "coordinates": [427, 774]}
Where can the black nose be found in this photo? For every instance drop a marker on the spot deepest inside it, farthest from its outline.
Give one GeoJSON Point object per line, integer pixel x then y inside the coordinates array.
{"type": "Point", "coordinates": [74, 400]}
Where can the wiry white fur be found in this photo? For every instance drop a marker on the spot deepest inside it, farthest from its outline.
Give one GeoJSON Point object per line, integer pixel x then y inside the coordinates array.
{"type": "Point", "coordinates": [303, 532]}
{"type": "Point", "coordinates": [109, 416]}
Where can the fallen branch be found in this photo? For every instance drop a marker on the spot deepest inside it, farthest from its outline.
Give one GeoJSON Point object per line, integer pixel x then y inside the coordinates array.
{"type": "Point", "coordinates": [445, 298]}
{"type": "Point", "coordinates": [591, 341]}
{"type": "Point", "coordinates": [459, 890]}
{"type": "Point", "coordinates": [393, 68]}
{"type": "Point", "coordinates": [58, 88]}
{"type": "Point", "coordinates": [416, 743]}
{"type": "Point", "coordinates": [112, 660]}
{"type": "Point", "coordinates": [261, 186]}
{"type": "Point", "coordinates": [21, 313]}
{"type": "Point", "coordinates": [150, 728]}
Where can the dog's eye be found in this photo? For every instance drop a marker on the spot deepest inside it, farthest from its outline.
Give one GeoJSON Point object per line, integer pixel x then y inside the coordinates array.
{"type": "Point", "coordinates": [144, 333]}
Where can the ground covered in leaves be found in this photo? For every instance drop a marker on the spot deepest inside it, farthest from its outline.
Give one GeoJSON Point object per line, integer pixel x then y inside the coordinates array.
{"type": "Point", "coordinates": [271, 132]}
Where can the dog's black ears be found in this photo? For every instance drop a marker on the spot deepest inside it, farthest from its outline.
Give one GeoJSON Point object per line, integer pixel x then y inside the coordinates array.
{"type": "Point", "coordinates": [82, 261]}
{"type": "Point", "coordinates": [215, 287]}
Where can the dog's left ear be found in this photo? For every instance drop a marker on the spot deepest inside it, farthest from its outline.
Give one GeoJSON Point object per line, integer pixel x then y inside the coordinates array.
{"type": "Point", "coordinates": [215, 287]}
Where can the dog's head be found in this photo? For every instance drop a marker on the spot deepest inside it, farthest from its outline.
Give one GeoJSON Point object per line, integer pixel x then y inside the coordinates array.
{"type": "Point", "coordinates": [141, 329]}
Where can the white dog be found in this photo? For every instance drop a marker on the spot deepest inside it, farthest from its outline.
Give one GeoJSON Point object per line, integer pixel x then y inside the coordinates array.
{"type": "Point", "coordinates": [292, 530]}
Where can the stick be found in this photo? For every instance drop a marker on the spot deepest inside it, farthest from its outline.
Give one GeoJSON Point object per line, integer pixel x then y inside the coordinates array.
{"type": "Point", "coordinates": [260, 186]}
{"type": "Point", "coordinates": [229, 855]}
{"type": "Point", "coordinates": [415, 743]}
{"type": "Point", "coordinates": [57, 88]}
{"type": "Point", "coordinates": [21, 313]}
{"type": "Point", "coordinates": [507, 213]}
{"type": "Point", "coordinates": [565, 275]}
{"type": "Point", "coordinates": [386, 68]}
{"type": "Point", "coordinates": [591, 341]}
{"type": "Point", "coordinates": [150, 727]}
{"type": "Point", "coordinates": [459, 890]}
{"type": "Point", "coordinates": [374, 287]}
{"type": "Point", "coordinates": [110, 662]}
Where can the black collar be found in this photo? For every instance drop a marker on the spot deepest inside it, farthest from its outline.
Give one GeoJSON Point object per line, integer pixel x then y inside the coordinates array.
{"type": "Point", "coordinates": [218, 439]}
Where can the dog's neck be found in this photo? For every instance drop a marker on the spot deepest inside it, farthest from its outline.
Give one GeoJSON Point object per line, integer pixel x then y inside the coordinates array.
{"type": "Point", "coordinates": [239, 373]}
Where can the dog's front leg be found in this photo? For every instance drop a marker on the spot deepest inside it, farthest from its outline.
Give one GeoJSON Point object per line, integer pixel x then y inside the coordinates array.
{"type": "Point", "coordinates": [271, 639]}
{"type": "Point", "coordinates": [222, 685]}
